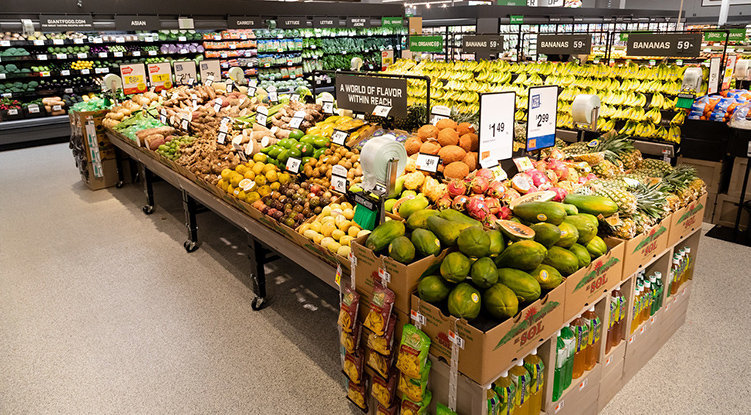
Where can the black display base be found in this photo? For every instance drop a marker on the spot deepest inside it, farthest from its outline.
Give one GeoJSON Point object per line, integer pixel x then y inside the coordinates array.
{"type": "Point", "coordinates": [730, 235]}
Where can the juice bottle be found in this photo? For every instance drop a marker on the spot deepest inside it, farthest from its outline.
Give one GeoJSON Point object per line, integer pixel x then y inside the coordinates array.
{"type": "Point", "coordinates": [593, 346]}
{"type": "Point", "coordinates": [522, 380]}
{"type": "Point", "coordinates": [654, 304]}
{"type": "Point", "coordinates": [536, 369]}
{"type": "Point", "coordinates": [646, 302]}
{"type": "Point", "coordinates": [581, 331]}
{"type": "Point", "coordinates": [569, 338]}
{"type": "Point", "coordinates": [561, 353]}
{"type": "Point", "coordinates": [635, 310]}
{"type": "Point", "coordinates": [660, 289]}
{"type": "Point", "coordinates": [612, 318]}
{"type": "Point", "coordinates": [492, 401]}
{"type": "Point", "coordinates": [690, 266]}
{"type": "Point", "coordinates": [505, 390]}
{"type": "Point", "coordinates": [673, 274]}
{"type": "Point", "coordinates": [682, 268]}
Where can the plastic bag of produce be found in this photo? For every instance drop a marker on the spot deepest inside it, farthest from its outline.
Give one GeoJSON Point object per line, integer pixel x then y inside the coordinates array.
{"type": "Point", "coordinates": [356, 394]}
{"type": "Point", "coordinates": [414, 388]}
{"type": "Point", "coordinates": [416, 408]}
{"type": "Point", "coordinates": [380, 309]}
{"type": "Point", "coordinates": [413, 351]}
{"type": "Point", "coordinates": [383, 344]}
{"type": "Point", "coordinates": [348, 309]}
{"type": "Point", "coordinates": [350, 340]}
{"type": "Point", "coordinates": [354, 365]}
{"type": "Point", "coordinates": [379, 362]}
{"type": "Point", "coordinates": [383, 389]}
{"type": "Point", "coordinates": [739, 120]}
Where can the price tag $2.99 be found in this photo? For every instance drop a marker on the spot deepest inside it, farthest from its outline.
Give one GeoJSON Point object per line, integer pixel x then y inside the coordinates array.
{"type": "Point", "coordinates": [339, 183]}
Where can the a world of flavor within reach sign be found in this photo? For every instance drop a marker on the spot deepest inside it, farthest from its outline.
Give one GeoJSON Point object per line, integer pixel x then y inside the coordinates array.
{"type": "Point", "coordinates": [364, 93]}
{"type": "Point", "coordinates": [541, 119]}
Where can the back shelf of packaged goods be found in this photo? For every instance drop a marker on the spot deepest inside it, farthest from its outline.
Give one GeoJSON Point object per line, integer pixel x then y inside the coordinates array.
{"type": "Point", "coordinates": [33, 129]}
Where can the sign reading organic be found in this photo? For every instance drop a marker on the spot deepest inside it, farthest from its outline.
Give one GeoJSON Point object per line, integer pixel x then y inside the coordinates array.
{"type": "Point", "coordinates": [392, 21]}
{"type": "Point", "coordinates": [244, 22]}
{"type": "Point", "coordinates": [160, 76]}
{"type": "Point", "coordinates": [426, 44]}
{"type": "Point", "coordinates": [137, 23]}
{"type": "Point", "coordinates": [365, 93]}
{"type": "Point", "coordinates": [56, 22]}
{"type": "Point", "coordinates": [564, 44]}
{"type": "Point", "coordinates": [134, 78]}
{"type": "Point", "coordinates": [684, 45]}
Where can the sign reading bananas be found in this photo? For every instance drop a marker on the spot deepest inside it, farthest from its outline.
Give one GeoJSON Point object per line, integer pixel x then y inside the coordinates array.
{"type": "Point", "coordinates": [680, 45]}
{"type": "Point", "coordinates": [482, 45]}
{"type": "Point", "coordinates": [564, 44]}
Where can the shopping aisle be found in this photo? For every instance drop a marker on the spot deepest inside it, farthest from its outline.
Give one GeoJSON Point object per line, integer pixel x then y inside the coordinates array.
{"type": "Point", "coordinates": [102, 311]}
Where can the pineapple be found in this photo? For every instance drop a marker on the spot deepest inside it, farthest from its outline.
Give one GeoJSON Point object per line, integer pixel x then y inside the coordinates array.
{"type": "Point", "coordinates": [575, 148]}
{"type": "Point", "coordinates": [654, 167]}
{"type": "Point", "coordinates": [624, 228]}
{"type": "Point", "coordinates": [605, 169]}
{"type": "Point", "coordinates": [651, 201]}
{"type": "Point", "coordinates": [631, 159]}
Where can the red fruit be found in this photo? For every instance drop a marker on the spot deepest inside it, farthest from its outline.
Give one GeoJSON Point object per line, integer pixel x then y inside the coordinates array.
{"type": "Point", "coordinates": [587, 178]}
{"type": "Point", "coordinates": [480, 185]}
{"type": "Point", "coordinates": [486, 173]}
{"type": "Point", "coordinates": [510, 195]}
{"type": "Point", "coordinates": [538, 178]}
{"type": "Point", "coordinates": [457, 187]}
{"type": "Point", "coordinates": [560, 194]}
{"type": "Point", "coordinates": [477, 208]}
{"type": "Point", "coordinates": [490, 220]}
{"type": "Point", "coordinates": [521, 183]}
{"type": "Point", "coordinates": [460, 203]}
{"type": "Point", "coordinates": [314, 188]}
{"type": "Point", "coordinates": [443, 203]}
{"type": "Point", "coordinates": [496, 189]}
{"type": "Point", "coordinates": [493, 204]}
{"type": "Point", "coordinates": [505, 212]}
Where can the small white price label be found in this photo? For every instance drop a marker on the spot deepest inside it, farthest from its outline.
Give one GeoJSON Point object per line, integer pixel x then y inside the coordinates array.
{"type": "Point", "coordinates": [328, 107]}
{"type": "Point", "coordinates": [558, 407]}
{"type": "Point", "coordinates": [607, 361]}
{"type": "Point", "coordinates": [82, 55]}
{"type": "Point", "coordinates": [57, 41]}
{"type": "Point", "coordinates": [33, 108]}
{"type": "Point", "coordinates": [273, 96]}
{"type": "Point", "coordinates": [221, 137]}
{"type": "Point", "coordinates": [523, 163]}
{"type": "Point", "coordinates": [78, 41]}
{"type": "Point", "coordinates": [641, 331]}
{"type": "Point", "coordinates": [338, 276]}
{"type": "Point", "coordinates": [44, 74]}
{"type": "Point", "coordinates": [39, 42]}
{"type": "Point", "coordinates": [191, 81]}
{"type": "Point", "coordinates": [294, 98]}
{"type": "Point", "coordinates": [61, 56]}
{"type": "Point", "coordinates": [42, 57]}
{"type": "Point", "coordinates": [232, 46]}
{"type": "Point", "coordinates": [56, 108]}
{"type": "Point", "coordinates": [13, 111]}
{"type": "Point", "coordinates": [68, 90]}
{"type": "Point", "coordinates": [5, 43]}
{"type": "Point", "coordinates": [454, 338]}
{"type": "Point", "coordinates": [102, 54]}
{"type": "Point", "coordinates": [181, 38]}
{"type": "Point", "coordinates": [339, 137]}
{"type": "Point", "coordinates": [360, 116]}
{"type": "Point", "coordinates": [439, 112]}
{"type": "Point", "coordinates": [163, 116]}
{"type": "Point", "coordinates": [209, 80]}
{"type": "Point", "coordinates": [381, 111]}
{"type": "Point", "coordinates": [427, 162]}
{"type": "Point", "coordinates": [229, 85]}
{"type": "Point", "coordinates": [293, 164]}
{"type": "Point", "coordinates": [6, 94]}
{"type": "Point", "coordinates": [98, 40]}
{"type": "Point", "coordinates": [152, 53]}
{"type": "Point", "coordinates": [117, 54]}
{"type": "Point", "coordinates": [136, 53]}
{"type": "Point", "coordinates": [384, 275]}
{"type": "Point", "coordinates": [262, 115]}
{"type": "Point", "coordinates": [217, 104]}
{"type": "Point", "coordinates": [2, 76]}
{"type": "Point", "coordinates": [119, 39]}
{"type": "Point", "coordinates": [583, 383]}
{"type": "Point", "coordinates": [339, 183]}
{"type": "Point", "coordinates": [148, 39]}
{"type": "Point", "coordinates": [418, 318]}
{"type": "Point", "coordinates": [297, 119]}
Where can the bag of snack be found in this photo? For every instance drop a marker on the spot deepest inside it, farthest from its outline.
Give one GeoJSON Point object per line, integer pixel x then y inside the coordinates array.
{"type": "Point", "coordinates": [354, 365]}
{"type": "Point", "coordinates": [393, 410]}
{"type": "Point", "coordinates": [380, 309]}
{"type": "Point", "coordinates": [348, 309]}
{"type": "Point", "coordinates": [413, 351]}
{"type": "Point", "coordinates": [350, 341]}
{"type": "Point", "coordinates": [441, 409]}
{"type": "Point", "coordinates": [414, 388]}
{"type": "Point", "coordinates": [416, 408]}
{"type": "Point", "coordinates": [356, 394]}
{"type": "Point", "coordinates": [383, 344]}
{"type": "Point", "coordinates": [383, 390]}
{"type": "Point", "coordinates": [379, 362]}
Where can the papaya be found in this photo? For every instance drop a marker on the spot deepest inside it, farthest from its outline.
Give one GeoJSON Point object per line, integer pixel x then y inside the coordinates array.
{"type": "Point", "coordinates": [464, 301]}
{"type": "Point", "coordinates": [432, 288]}
{"type": "Point", "coordinates": [456, 216]}
{"type": "Point", "coordinates": [546, 233]}
{"type": "Point", "coordinates": [595, 205]}
{"type": "Point", "coordinates": [547, 276]}
{"type": "Point", "coordinates": [569, 235]}
{"type": "Point", "coordinates": [562, 259]}
{"type": "Point", "coordinates": [584, 226]}
{"type": "Point", "coordinates": [473, 242]}
{"type": "Point", "coordinates": [500, 301]}
{"type": "Point", "coordinates": [496, 242]}
{"type": "Point", "coordinates": [523, 255]}
{"type": "Point", "coordinates": [402, 250]}
{"type": "Point", "coordinates": [384, 233]}
{"type": "Point", "coordinates": [419, 219]}
{"type": "Point", "coordinates": [447, 231]}
{"type": "Point", "coordinates": [526, 288]}
{"type": "Point", "coordinates": [515, 230]}
{"type": "Point", "coordinates": [570, 209]}
{"type": "Point", "coordinates": [550, 212]}
{"type": "Point", "coordinates": [455, 267]}
{"type": "Point", "coordinates": [425, 242]}
{"type": "Point", "coordinates": [597, 247]}
{"type": "Point", "coordinates": [411, 206]}
{"type": "Point", "coordinates": [483, 273]}
{"type": "Point", "coordinates": [581, 254]}
{"type": "Point", "coordinates": [592, 218]}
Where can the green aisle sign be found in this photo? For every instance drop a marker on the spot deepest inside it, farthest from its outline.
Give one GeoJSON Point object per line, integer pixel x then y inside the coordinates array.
{"type": "Point", "coordinates": [517, 19]}
{"type": "Point", "coordinates": [512, 2]}
{"type": "Point", "coordinates": [426, 44]}
{"type": "Point", "coordinates": [392, 21]}
{"type": "Point", "coordinates": [736, 35]}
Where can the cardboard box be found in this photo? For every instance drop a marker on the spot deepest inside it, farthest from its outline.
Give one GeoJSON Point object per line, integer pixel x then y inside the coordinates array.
{"type": "Point", "coordinates": [78, 121]}
{"type": "Point", "coordinates": [646, 246]}
{"type": "Point", "coordinates": [736, 178]}
{"type": "Point", "coordinates": [611, 381]}
{"type": "Point", "coordinates": [710, 207]}
{"type": "Point", "coordinates": [95, 156]}
{"type": "Point", "coordinates": [404, 277]}
{"type": "Point", "coordinates": [471, 398]}
{"type": "Point", "coordinates": [642, 344]}
{"type": "Point", "coordinates": [581, 397]}
{"type": "Point", "coordinates": [486, 354]}
{"type": "Point", "coordinates": [687, 220]}
{"type": "Point", "coordinates": [590, 283]}
{"type": "Point", "coordinates": [726, 210]}
{"type": "Point", "coordinates": [107, 179]}
{"type": "Point", "coordinates": [674, 310]}
{"type": "Point", "coordinates": [709, 171]}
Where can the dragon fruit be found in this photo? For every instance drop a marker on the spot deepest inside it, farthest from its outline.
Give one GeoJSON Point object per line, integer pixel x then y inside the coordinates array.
{"type": "Point", "coordinates": [587, 178]}
{"type": "Point", "coordinates": [522, 183]}
{"type": "Point", "coordinates": [560, 194]}
{"type": "Point", "coordinates": [493, 204]}
{"type": "Point", "coordinates": [480, 185]}
{"type": "Point", "coordinates": [457, 187]}
{"type": "Point", "coordinates": [496, 189]}
{"type": "Point", "coordinates": [560, 168]}
{"type": "Point", "coordinates": [486, 173]}
{"type": "Point", "coordinates": [490, 221]}
{"type": "Point", "coordinates": [505, 212]}
{"type": "Point", "coordinates": [510, 195]}
{"type": "Point", "coordinates": [460, 203]}
{"type": "Point", "coordinates": [443, 203]}
{"type": "Point", "coordinates": [477, 208]}
{"type": "Point", "coordinates": [538, 178]}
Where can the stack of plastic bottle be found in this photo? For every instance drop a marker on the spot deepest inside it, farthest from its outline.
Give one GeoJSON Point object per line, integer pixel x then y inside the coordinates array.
{"type": "Point", "coordinates": [648, 294]}
{"type": "Point", "coordinates": [519, 390]}
{"type": "Point", "coordinates": [681, 270]}
{"type": "Point", "coordinates": [615, 322]}
{"type": "Point", "coordinates": [577, 351]}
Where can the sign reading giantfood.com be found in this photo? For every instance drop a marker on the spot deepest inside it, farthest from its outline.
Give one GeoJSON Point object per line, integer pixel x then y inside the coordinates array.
{"type": "Point", "coordinates": [564, 44]}
{"type": "Point", "coordinates": [66, 22]}
{"type": "Point", "coordinates": [684, 45]}
{"type": "Point", "coordinates": [137, 23]}
{"type": "Point", "coordinates": [426, 44]}
{"type": "Point", "coordinates": [364, 93]}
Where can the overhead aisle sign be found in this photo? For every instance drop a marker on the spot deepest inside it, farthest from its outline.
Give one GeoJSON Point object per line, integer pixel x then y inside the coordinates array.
{"type": "Point", "coordinates": [682, 45]}
{"type": "Point", "coordinates": [564, 44]}
{"type": "Point", "coordinates": [542, 117]}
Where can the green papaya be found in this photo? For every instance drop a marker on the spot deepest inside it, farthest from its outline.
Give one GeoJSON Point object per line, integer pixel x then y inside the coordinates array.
{"type": "Point", "coordinates": [526, 288]}
{"type": "Point", "coordinates": [592, 218]}
{"type": "Point", "coordinates": [447, 231]}
{"type": "Point", "coordinates": [464, 301]}
{"type": "Point", "coordinates": [547, 276]}
{"type": "Point", "coordinates": [550, 212]}
{"type": "Point", "coordinates": [570, 209]}
{"type": "Point", "coordinates": [483, 273]}
{"type": "Point", "coordinates": [597, 247]}
{"type": "Point", "coordinates": [523, 255]}
{"type": "Point", "coordinates": [455, 267]}
{"type": "Point", "coordinates": [411, 206]}
{"type": "Point", "coordinates": [546, 233]}
{"type": "Point", "coordinates": [496, 242]}
{"type": "Point", "coordinates": [562, 259]}
{"type": "Point", "coordinates": [419, 219]}
{"type": "Point", "coordinates": [384, 233]}
{"type": "Point", "coordinates": [425, 242]}
{"type": "Point", "coordinates": [456, 216]}
{"type": "Point", "coordinates": [515, 230]}
{"type": "Point", "coordinates": [402, 250]}
{"type": "Point", "coordinates": [432, 288]}
{"type": "Point", "coordinates": [584, 226]}
{"type": "Point", "coordinates": [581, 254]}
{"type": "Point", "coordinates": [500, 301]}
{"type": "Point", "coordinates": [569, 235]}
{"type": "Point", "coordinates": [595, 205]}
{"type": "Point", "coordinates": [473, 242]}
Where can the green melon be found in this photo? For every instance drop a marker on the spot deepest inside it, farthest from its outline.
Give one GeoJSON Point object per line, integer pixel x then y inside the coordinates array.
{"type": "Point", "coordinates": [524, 255]}
{"type": "Point", "coordinates": [584, 226]}
{"type": "Point", "coordinates": [483, 273]}
{"type": "Point", "coordinates": [455, 267]}
{"type": "Point", "coordinates": [402, 250]}
{"type": "Point", "coordinates": [521, 283]}
{"type": "Point", "coordinates": [425, 242]}
{"type": "Point", "coordinates": [432, 289]}
{"type": "Point", "coordinates": [597, 247]}
{"type": "Point", "coordinates": [569, 235]}
{"type": "Point", "coordinates": [496, 243]}
{"type": "Point", "coordinates": [546, 233]}
{"type": "Point", "coordinates": [500, 301]}
{"type": "Point", "coordinates": [419, 219]}
{"type": "Point", "coordinates": [551, 212]}
{"type": "Point", "coordinates": [464, 301]}
{"type": "Point", "coordinates": [473, 242]}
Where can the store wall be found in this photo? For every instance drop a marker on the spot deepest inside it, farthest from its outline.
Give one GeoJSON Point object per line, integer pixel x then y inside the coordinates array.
{"type": "Point", "coordinates": [691, 8]}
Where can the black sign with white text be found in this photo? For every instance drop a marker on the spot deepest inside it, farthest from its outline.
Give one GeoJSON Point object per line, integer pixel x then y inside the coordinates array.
{"type": "Point", "coordinates": [137, 23]}
{"type": "Point", "coordinates": [55, 22]}
{"type": "Point", "coordinates": [564, 44]}
{"type": "Point", "coordinates": [482, 44]}
{"type": "Point", "coordinates": [326, 21]}
{"type": "Point", "coordinates": [684, 45]}
{"type": "Point", "coordinates": [244, 22]}
{"type": "Point", "coordinates": [364, 93]}
{"type": "Point", "coordinates": [358, 22]}
{"type": "Point", "coordinates": [292, 22]}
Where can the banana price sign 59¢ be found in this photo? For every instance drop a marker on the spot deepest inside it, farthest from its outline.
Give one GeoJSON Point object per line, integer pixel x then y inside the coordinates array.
{"type": "Point", "coordinates": [134, 78]}
{"type": "Point", "coordinates": [542, 117]}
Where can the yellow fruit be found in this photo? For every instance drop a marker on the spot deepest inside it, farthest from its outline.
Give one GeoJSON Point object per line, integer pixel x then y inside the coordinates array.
{"type": "Point", "coordinates": [346, 205]}
{"type": "Point", "coordinates": [345, 240]}
{"type": "Point", "coordinates": [326, 241]}
{"type": "Point", "coordinates": [353, 231]}
{"type": "Point", "coordinates": [226, 173]}
{"type": "Point", "coordinates": [328, 228]}
{"type": "Point", "coordinates": [241, 169]}
{"type": "Point", "coordinates": [335, 206]}
{"type": "Point", "coordinates": [258, 168]}
{"type": "Point", "coordinates": [264, 191]}
{"type": "Point", "coordinates": [235, 178]}
{"type": "Point", "coordinates": [283, 178]}
{"type": "Point", "coordinates": [363, 233]}
{"type": "Point", "coordinates": [304, 227]}
{"type": "Point", "coordinates": [340, 221]}
{"type": "Point", "coordinates": [222, 184]}
{"type": "Point", "coordinates": [343, 251]}
{"type": "Point", "coordinates": [275, 186]}
{"type": "Point", "coordinates": [337, 234]}
{"type": "Point", "coordinates": [269, 167]}
{"type": "Point", "coordinates": [252, 197]}
{"type": "Point", "coordinates": [316, 226]}
{"type": "Point", "coordinates": [325, 211]}
{"type": "Point", "coordinates": [349, 213]}
{"type": "Point", "coordinates": [271, 175]}
{"type": "Point", "coordinates": [230, 189]}
{"type": "Point", "coordinates": [249, 175]}
{"type": "Point", "coordinates": [334, 246]}
{"type": "Point", "coordinates": [328, 219]}
{"type": "Point", "coordinates": [250, 164]}
{"type": "Point", "coordinates": [260, 179]}
{"type": "Point", "coordinates": [241, 195]}
{"type": "Point", "coordinates": [259, 157]}
{"type": "Point", "coordinates": [310, 234]}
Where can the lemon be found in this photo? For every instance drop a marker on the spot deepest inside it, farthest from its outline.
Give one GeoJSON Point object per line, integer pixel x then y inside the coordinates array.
{"type": "Point", "coordinates": [258, 168]}
{"type": "Point", "coordinates": [337, 234]}
{"type": "Point", "coordinates": [259, 157]}
{"type": "Point", "coordinates": [250, 175]}
{"type": "Point", "coordinates": [235, 178]}
{"type": "Point", "coordinates": [226, 173]}
{"type": "Point", "coordinates": [271, 175]}
{"type": "Point", "coordinates": [316, 226]}
{"type": "Point", "coordinates": [264, 191]}
{"type": "Point", "coordinates": [328, 228]}
{"type": "Point", "coordinates": [353, 231]}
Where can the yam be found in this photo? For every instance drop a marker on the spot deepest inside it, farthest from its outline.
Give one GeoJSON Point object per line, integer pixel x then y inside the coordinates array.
{"type": "Point", "coordinates": [471, 160]}
{"type": "Point", "coordinates": [427, 132]}
{"type": "Point", "coordinates": [448, 137]}
{"type": "Point", "coordinates": [430, 147]}
{"type": "Point", "coordinates": [412, 145]}
{"type": "Point", "coordinates": [446, 123]}
{"type": "Point", "coordinates": [456, 170]}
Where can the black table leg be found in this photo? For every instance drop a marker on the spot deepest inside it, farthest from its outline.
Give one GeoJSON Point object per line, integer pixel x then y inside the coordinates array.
{"type": "Point", "coordinates": [190, 208]}
{"type": "Point", "coordinates": [119, 167]}
{"type": "Point", "coordinates": [148, 190]}
{"type": "Point", "coordinates": [257, 273]}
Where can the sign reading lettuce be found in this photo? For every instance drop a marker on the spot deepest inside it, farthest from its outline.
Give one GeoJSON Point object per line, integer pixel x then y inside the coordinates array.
{"type": "Point", "coordinates": [426, 44]}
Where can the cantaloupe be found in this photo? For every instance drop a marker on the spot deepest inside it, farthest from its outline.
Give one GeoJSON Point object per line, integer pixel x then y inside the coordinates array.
{"type": "Point", "coordinates": [430, 147]}
{"type": "Point", "coordinates": [450, 154]}
{"type": "Point", "coordinates": [456, 170]}
{"type": "Point", "coordinates": [427, 131]}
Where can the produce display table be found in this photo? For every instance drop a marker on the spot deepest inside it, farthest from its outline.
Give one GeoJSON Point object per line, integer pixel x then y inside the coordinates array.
{"type": "Point", "coordinates": [262, 240]}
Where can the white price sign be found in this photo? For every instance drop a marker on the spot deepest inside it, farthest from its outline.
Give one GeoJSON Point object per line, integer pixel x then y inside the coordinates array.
{"type": "Point", "coordinates": [339, 183]}
{"type": "Point", "coordinates": [13, 111]}
{"type": "Point", "coordinates": [160, 75]}
{"type": "Point", "coordinates": [185, 70]}
{"type": "Point", "coordinates": [297, 119]}
{"type": "Point", "coordinates": [293, 165]}
{"type": "Point", "coordinates": [5, 43]}
{"type": "Point", "coordinates": [439, 112]}
{"type": "Point", "coordinates": [496, 127]}
{"type": "Point", "coordinates": [381, 111]}
{"type": "Point", "coordinates": [78, 41]}
{"type": "Point", "coordinates": [230, 84]}
{"type": "Point", "coordinates": [152, 53]}
{"type": "Point", "coordinates": [427, 162]}
{"type": "Point", "coordinates": [252, 86]}
{"type": "Point", "coordinates": [714, 75]}
{"type": "Point", "coordinates": [328, 107]}
{"type": "Point", "coordinates": [82, 55]}
{"type": "Point", "coordinates": [57, 41]}
{"type": "Point", "coordinates": [273, 96]}
{"type": "Point", "coordinates": [39, 42]}
{"type": "Point", "coordinates": [339, 137]}
{"type": "Point", "coordinates": [61, 56]}
{"type": "Point", "coordinates": [42, 57]}
{"type": "Point", "coordinates": [217, 104]}
{"type": "Point", "coordinates": [163, 116]}
{"type": "Point", "coordinates": [136, 53]}
{"type": "Point", "coordinates": [33, 108]}
{"type": "Point", "coordinates": [102, 54]}
{"type": "Point", "coordinates": [208, 80]}
{"type": "Point", "coordinates": [262, 115]}
{"type": "Point", "coordinates": [543, 110]}
{"type": "Point", "coordinates": [117, 54]}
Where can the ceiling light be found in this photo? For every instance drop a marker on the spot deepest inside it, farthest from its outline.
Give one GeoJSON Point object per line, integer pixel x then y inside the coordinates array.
{"type": "Point", "coordinates": [427, 5]}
